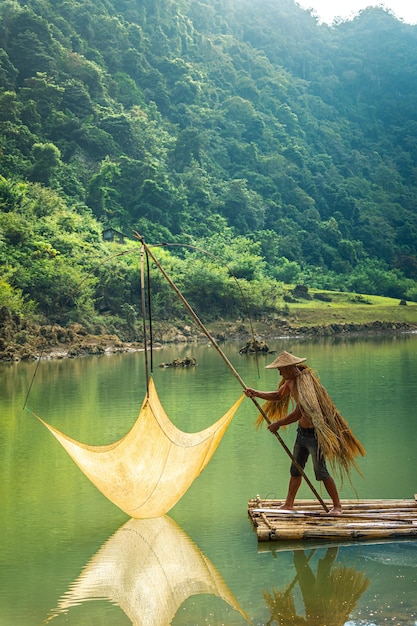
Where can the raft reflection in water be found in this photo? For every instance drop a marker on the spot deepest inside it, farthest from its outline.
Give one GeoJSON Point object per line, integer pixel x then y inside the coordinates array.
{"type": "Point", "coordinates": [148, 568]}
{"type": "Point", "coordinates": [329, 595]}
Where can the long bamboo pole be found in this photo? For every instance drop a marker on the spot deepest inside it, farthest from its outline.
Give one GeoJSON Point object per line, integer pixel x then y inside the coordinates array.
{"type": "Point", "coordinates": [230, 366]}
{"type": "Point", "coordinates": [145, 339]}
{"type": "Point", "coordinates": [318, 517]}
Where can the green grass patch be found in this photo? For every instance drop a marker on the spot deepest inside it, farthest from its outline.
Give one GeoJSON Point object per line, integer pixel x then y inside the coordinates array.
{"type": "Point", "coordinates": [349, 308]}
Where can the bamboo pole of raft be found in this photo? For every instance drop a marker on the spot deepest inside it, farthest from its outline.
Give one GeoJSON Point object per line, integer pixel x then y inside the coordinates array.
{"type": "Point", "coordinates": [399, 508]}
{"type": "Point", "coordinates": [317, 517]}
{"type": "Point", "coordinates": [361, 504]}
{"type": "Point", "coordinates": [230, 366]}
{"type": "Point", "coordinates": [332, 534]}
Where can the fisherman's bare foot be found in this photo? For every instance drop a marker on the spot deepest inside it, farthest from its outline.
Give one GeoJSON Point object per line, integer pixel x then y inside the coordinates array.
{"type": "Point", "coordinates": [336, 510]}
{"type": "Point", "coordinates": [286, 507]}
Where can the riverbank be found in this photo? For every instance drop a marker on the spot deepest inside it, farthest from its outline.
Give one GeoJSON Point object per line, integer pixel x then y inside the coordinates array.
{"type": "Point", "coordinates": [25, 342]}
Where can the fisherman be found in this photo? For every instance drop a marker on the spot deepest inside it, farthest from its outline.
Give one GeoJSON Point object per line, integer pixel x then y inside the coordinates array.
{"type": "Point", "coordinates": [322, 432]}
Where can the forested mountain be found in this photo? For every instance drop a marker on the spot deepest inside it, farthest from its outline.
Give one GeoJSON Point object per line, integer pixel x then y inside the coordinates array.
{"type": "Point", "coordinates": [244, 127]}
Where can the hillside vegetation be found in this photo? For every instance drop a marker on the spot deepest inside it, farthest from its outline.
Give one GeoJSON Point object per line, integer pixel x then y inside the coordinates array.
{"type": "Point", "coordinates": [284, 148]}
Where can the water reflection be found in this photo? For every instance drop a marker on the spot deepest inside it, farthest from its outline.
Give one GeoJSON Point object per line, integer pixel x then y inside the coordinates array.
{"type": "Point", "coordinates": [329, 595]}
{"type": "Point", "coordinates": [148, 568]}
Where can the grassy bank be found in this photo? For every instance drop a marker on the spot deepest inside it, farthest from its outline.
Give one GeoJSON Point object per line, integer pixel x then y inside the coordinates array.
{"type": "Point", "coordinates": [326, 308]}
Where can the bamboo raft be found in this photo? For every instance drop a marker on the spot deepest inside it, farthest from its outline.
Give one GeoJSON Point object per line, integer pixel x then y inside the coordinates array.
{"type": "Point", "coordinates": [361, 520]}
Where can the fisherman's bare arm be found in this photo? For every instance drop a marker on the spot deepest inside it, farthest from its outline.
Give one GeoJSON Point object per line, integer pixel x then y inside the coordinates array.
{"type": "Point", "coordinates": [264, 395]}
{"type": "Point", "coordinates": [273, 396]}
{"type": "Point", "coordinates": [292, 417]}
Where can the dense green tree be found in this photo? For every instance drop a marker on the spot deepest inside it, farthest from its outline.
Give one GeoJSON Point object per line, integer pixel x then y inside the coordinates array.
{"type": "Point", "coordinates": [41, 89]}
{"type": "Point", "coordinates": [46, 159]}
{"type": "Point", "coordinates": [29, 54]}
{"type": "Point", "coordinates": [77, 99]}
{"type": "Point", "coordinates": [8, 72]}
{"type": "Point", "coordinates": [102, 192]}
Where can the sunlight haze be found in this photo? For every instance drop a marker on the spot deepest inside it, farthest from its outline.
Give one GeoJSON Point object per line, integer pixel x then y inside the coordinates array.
{"type": "Point", "coordinates": [328, 10]}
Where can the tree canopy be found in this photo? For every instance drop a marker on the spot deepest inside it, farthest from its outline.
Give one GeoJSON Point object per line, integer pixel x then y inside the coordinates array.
{"type": "Point", "coordinates": [246, 126]}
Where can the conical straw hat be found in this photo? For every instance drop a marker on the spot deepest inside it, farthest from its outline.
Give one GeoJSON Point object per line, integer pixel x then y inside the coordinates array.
{"type": "Point", "coordinates": [285, 359]}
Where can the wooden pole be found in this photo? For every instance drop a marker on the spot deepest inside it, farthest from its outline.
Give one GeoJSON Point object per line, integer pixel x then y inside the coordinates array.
{"type": "Point", "coordinates": [232, 369]}
{"type": "Point", "coordinates": [145, 340]}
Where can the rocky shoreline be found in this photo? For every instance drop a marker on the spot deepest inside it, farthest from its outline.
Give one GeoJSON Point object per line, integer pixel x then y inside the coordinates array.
{"type": "Point", "coordinates": [19, 342]}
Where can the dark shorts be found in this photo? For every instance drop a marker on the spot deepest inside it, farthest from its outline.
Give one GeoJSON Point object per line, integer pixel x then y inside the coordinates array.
{"type": "Point", "coordinates": [306, 444]}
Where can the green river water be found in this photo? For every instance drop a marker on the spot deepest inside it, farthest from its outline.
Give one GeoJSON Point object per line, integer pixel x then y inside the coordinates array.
{"type": "Point", "coordinates": [69, 556]}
